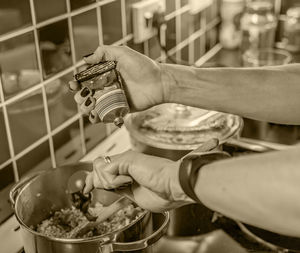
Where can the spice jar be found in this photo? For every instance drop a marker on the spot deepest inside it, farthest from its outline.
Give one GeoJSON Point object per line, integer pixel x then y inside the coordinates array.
{"type": "Point", "coordinates": [258, 25]}
{"type": "Point", "coordinates": [108, 103]}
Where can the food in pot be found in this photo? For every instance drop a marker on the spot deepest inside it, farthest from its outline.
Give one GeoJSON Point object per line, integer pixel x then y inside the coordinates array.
{"type": "Point", "coordinates": [61, 223]}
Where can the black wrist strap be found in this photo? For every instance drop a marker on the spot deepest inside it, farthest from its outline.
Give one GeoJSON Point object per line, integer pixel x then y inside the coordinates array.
{"type": "Point", "coordinates": [190, 166]}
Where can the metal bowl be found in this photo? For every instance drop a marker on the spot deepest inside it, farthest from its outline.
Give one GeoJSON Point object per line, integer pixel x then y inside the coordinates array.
{"type": "Point", "coordinates": [35, 197]}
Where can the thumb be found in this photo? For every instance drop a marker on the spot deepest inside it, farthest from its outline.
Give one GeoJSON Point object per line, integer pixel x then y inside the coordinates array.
{"type": "Point", "coordinates": [89, 185]}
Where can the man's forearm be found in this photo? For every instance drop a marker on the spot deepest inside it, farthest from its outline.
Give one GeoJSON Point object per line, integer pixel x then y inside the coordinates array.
{"type": "Point", "coordinates": [269, 94]}
{"type": "Point", "coordinates": [261, 190]}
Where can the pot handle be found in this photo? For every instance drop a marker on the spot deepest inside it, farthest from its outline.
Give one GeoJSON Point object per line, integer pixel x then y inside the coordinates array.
{"type": "Point", "coordinates": [207, 147]}
{"type": "Point", "coordinates": [19, 186]}
{"type": "Point", "coordinates": [140, 244]}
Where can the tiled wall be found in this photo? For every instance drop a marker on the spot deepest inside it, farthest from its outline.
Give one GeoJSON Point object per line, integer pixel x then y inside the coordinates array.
{"type": "Point", "coordinates": [41, 46]}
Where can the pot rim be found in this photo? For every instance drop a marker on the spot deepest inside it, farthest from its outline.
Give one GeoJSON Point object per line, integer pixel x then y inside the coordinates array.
{"type": "Point", "coordinates": [109, 235]}
{"type": "Point", "coordinates": [136, 134]}
{"type": "Point", "coordinates": [271, 245]}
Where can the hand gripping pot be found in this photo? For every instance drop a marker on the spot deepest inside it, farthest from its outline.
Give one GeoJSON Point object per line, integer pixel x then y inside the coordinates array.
{"type": "Point", "coordinates": [106, 84]}
{"type": "Point", "coordinates": [36, 196]}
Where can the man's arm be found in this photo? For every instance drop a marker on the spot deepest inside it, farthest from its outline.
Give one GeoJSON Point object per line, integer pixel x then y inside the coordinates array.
{"type": "Point", "coordinates": [262, 190]}
{"type": "Point", "coordinates": [269, 93]}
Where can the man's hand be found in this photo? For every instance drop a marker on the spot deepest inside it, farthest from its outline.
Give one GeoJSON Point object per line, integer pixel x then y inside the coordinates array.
{"type": "Point", "coordinates": [151, 182]}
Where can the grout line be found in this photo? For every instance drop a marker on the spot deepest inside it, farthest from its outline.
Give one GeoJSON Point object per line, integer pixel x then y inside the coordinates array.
{"type": "Point", "coordinates": [44, 95]}
{"type": "Point", "coordinates": [83, 9]}
{"type": "Point", "coordinates": [73, 54]}
{"type": "Point", "coordinates": [5, 164]}
{"type": "Point", "coordinates": [34, 88]}
{"type": "Point", "coordinates": [46, 137]}
{"type": "Point", "coordinates": [32, 147]}
{"type": "Point", "coordinates": [178, 29]}
{"type": "Point", "coordinates": [9, 136]}
{"type": "Point", "coordinates": [99, 24]}
{"type": "Point", "coordinates": [52, 20]}
{"type": "Point", "coordinates": [72, 42]}
{"type": "Point", "coordinates": [191, 41]}
{"type": "Point", "coordinates": [48, 125]}
{"type": "Point", "coordinates": [67, 123]}
{"type": "Point", "coordinates": [163, 41]}
{"type": "Point", "coordinates": [191, 52]}
{"type": "Point", "coordinates": [194, 36]}
{"type": "Point", "coordinates": [23, 94]}
{"type": "Point", "coordinates": [16, 33]}
{"type": "Point", "coordinates": [213, 37]}
{"type": "Point", "coordinates": [123, 18]}
{"type": "Point", "coordinates": [179, 10]}
{"type": "Point", "coordinates": [209, 54]}
{"type": "Point", "coordinates": [90, 7]}
{"type": "Point", "coordinates": [30, 28]}
{"type": "Point", "coordinates": [123, 40]}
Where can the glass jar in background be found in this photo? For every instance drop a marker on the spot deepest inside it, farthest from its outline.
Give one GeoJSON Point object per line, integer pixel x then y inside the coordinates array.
{"type": "Point", "coordinates": [266, 57]}
{"type": "Point", "coordinates": [258, 25]}
{"type": "Point", "coordinates": [292, 30]}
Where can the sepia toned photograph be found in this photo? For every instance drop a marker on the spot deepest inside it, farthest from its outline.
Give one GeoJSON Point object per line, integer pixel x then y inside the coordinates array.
{"type": "Point", "coordinates": [150, 126]}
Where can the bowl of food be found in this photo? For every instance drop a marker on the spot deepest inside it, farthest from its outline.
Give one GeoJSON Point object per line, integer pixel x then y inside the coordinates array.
{"type": "Point", "coordinates": [47, 217]}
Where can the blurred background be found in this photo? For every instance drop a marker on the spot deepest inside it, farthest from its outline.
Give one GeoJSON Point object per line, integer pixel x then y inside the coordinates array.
{"type": "Point", "coordinates": [42, 43]}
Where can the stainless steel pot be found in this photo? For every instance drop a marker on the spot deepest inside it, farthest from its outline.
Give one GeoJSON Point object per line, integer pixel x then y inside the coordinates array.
{"type": "Point", "coordinates": [171, 131]}
{"type": "Point", "coordinates": [35, 197]}
{"type": "Point", "coordinates": [182, 131]}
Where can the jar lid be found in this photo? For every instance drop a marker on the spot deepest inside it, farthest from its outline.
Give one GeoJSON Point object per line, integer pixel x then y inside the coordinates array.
{"type": "Point", "coordinates": [261, 6]}
{"type": "Point", "coordinates": [174, 126]}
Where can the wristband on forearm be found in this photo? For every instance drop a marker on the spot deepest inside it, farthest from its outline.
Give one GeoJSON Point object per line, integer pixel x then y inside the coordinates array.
{"type": "Point", "coordinates": [190, 166]}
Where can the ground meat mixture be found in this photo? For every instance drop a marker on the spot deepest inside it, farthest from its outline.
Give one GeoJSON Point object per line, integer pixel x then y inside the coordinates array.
{"type": "Point", "coordinates": [62, 222]}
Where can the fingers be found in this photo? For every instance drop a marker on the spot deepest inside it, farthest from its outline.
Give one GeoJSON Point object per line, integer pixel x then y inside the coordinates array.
{"type": "Point", "coordinates": [74, 85]}
{"type": "Point", "coordinates": [89, 185]}
{"type": "Point", "coordinates": [88, 105]}
{"type": "Point", "coordinates": [106, 176]}
{"type": "Point", "coordinates": [84, 98]}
